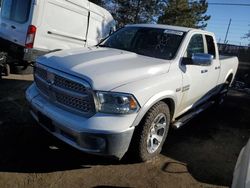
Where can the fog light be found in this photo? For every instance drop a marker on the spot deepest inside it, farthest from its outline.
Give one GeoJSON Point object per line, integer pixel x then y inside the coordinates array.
{"type": "Point", "coordinates": [93, 142]}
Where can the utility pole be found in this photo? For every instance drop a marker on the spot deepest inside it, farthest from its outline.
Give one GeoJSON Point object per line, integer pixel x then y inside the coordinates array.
{"type": "Point", "coordinates": [227, 30]}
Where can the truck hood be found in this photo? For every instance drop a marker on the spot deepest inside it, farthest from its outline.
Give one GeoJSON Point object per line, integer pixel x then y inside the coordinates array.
{"type": "Point", "coordinates": [105, 68]}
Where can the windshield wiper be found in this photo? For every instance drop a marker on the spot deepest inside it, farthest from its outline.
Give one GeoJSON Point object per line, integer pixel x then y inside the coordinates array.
{"type": "Point", "coordinates": [103, 46]}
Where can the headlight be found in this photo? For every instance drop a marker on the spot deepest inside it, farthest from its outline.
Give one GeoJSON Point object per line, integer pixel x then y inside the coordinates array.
{"type": "Point", "coordinates": [116, 103]}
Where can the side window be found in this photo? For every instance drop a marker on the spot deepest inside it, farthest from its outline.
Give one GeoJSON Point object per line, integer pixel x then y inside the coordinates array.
{"type": "Point", "coordinates": [196, 45]}
{"type": "Point", "coordinates": [16, 10]}
{"type": "Point", "coordinates": [6, 9]}
{"type": "Point", "coordinates": [210, 45]}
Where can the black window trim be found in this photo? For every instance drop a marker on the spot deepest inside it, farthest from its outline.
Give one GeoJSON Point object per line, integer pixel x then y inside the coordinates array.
{"type": "Point", "coordinates": [204, 45]}
{"type": "Point", "coordinates": [215, 55]}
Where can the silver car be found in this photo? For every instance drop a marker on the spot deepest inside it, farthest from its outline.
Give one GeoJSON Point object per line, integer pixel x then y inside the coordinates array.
{"type": "Point", "coordinates": [241, 177]}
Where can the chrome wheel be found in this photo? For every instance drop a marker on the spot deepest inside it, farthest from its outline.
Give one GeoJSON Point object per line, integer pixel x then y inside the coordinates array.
{"type": "Point", "coordinates": [156, 133]}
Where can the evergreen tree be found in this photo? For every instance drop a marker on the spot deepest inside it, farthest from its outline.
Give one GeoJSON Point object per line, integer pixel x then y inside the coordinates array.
{"type": "Point", "coordinates": [247, 36]}
{"type": "Point", "coordinates": [98, 2]}
{"type": "Point", "coordinates": [184, 13]}
{"type": "Point", "coordinates": [135, 11]}
{"type": "Point", "coordinates": [199, 9]}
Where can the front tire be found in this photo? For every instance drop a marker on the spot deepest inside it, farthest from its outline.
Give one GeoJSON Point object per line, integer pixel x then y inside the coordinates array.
{"type": "Point", "coordinates": [151, 133]}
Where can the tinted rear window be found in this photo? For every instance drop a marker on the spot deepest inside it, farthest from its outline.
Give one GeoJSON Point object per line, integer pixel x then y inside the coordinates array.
{"type": "Point", "coordinates": [210, 45]}
{"type": "Point", "coordinates": [16, 10]}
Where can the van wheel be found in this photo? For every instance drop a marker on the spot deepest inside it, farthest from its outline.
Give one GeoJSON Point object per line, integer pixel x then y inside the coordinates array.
{"type": "Point", "coordinates": [150, 135]}
{"type": "Point", "coordinates": [6, 70]}
{"type": "Point", "coordinates": [23, 70]}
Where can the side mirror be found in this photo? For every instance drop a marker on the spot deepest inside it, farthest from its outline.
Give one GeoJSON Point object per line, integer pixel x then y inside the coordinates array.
{"type": "Point", "coordinates": [199, 59]}
{"type": "Point", "coordinates": [202, 59]}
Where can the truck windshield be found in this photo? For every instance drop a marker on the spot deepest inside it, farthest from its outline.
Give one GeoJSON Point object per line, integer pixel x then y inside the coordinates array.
{"type": "Point", "coordinates": [152, 42]}
{"type": "Point", "coordinates": [16, 10]}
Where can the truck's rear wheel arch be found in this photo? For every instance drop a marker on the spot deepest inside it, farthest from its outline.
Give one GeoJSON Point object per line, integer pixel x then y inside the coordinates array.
{"type": "Point", "coordinates": [224, 89]}
{"type": "Point", "coordinates": [171, 105]}
{"type": "Point", "coordinates": [229, 78]}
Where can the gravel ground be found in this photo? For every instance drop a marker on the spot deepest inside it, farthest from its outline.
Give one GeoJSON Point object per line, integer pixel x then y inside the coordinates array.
{"type": "Point", "coordinates": [201, 154]}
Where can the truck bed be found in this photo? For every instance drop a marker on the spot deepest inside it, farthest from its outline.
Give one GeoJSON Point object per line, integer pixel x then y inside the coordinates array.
{"type": "Point", "coordinates": [223, 57]}
{"type": "Point", "coordinates": [228, 66]}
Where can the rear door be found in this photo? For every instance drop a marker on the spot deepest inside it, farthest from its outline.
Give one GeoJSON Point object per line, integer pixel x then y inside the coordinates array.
{"type": "Point", "coordinates": [15, 20]}
{"type": "Point", "coordinates": [213, 71]}
{"type": "Point", "coordinates": [64, 24]}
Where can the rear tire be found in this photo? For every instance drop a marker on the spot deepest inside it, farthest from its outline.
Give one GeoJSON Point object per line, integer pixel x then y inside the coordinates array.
{"type": "Point", "coordinates": [222, 95]}
{"type": "Point", "coordinates": [151, 133]}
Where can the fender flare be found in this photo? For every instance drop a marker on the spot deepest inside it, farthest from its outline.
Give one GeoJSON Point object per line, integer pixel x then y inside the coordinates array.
{"type": "Point", "coordinates": [152, 101]}
{"type": "Point", "coordinates": [230, 72]}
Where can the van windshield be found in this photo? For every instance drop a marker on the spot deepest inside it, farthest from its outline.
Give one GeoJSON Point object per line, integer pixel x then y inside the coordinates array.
{"type": "Point", "coordinates": [152, 42]}
{"type": "Point", "coordinates": [16, 10]}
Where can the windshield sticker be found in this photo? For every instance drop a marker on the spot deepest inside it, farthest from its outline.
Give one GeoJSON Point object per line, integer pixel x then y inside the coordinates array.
{"type": "Point", "coordinates": [173, 32]}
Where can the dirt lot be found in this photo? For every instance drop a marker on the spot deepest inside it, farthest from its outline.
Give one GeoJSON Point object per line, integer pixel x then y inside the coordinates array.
{"type": "Point", "coordinates": [201, 154]}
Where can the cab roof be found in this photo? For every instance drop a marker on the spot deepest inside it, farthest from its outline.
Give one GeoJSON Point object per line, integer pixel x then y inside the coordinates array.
{"type": "Point", "coordinates": [161, 26]}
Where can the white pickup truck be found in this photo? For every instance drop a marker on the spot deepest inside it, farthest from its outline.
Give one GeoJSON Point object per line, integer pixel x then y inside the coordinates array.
{"type": "Point", "coordinates": [126, 92]}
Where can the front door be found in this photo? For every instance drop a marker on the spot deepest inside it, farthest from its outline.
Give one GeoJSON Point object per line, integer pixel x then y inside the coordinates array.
{"type": "Point", "coordinates": [195, 80]}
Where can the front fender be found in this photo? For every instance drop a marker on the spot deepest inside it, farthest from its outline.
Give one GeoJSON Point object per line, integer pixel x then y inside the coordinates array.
{"type": "Point", "coordinates": [152, 101]}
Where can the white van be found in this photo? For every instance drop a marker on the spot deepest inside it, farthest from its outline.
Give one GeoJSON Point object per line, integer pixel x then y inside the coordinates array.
{"type": "Point", "coordinates": [30, 28]}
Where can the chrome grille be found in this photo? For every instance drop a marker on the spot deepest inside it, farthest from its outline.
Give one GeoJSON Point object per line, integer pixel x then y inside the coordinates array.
{"type": "Point", "coordinates": [42, 86]}
{"type": "Point", "coordinates": [79, 104]}
{"type": "Point", "coordinates": [66, 91]}
{"type": "Point", "coordinates": [42, 73]}
{"type": "Point", "coordinates": [68, 84]}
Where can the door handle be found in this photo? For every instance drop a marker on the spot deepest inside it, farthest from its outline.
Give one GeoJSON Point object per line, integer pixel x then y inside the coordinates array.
{"type": "Point", "coordinates": [204, 71]}
{"type": "Point", "coordinates": [13, 27]}
{"type": "Point", "coordinates": [216, 68]}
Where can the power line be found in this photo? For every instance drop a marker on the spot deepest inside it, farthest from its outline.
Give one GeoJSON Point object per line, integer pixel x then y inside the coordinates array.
{"type": "Point", "coordinates": [230, 4]}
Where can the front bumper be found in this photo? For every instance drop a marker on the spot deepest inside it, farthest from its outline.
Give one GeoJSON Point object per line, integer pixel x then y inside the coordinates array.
{"type": "Point", "coordinates": [102, 134]}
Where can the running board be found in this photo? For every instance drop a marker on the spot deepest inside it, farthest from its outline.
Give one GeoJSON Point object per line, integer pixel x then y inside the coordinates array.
{"type": "Point", "coordinates": [185, 119]}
